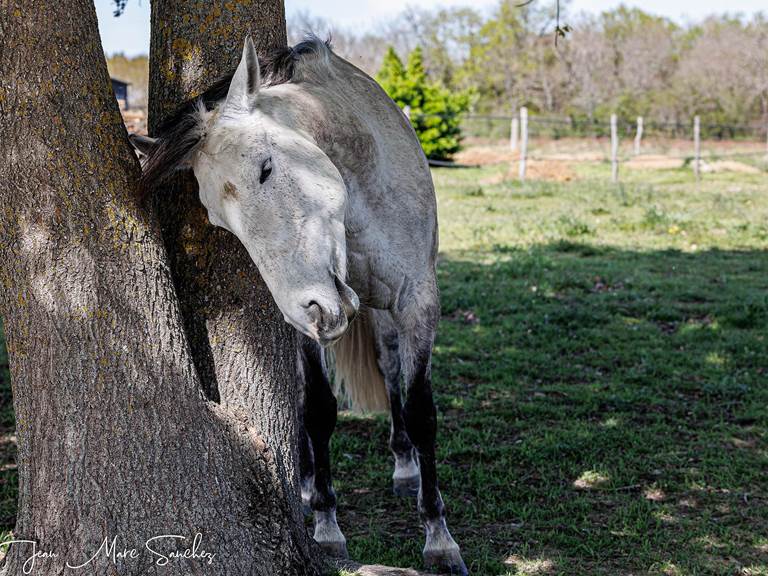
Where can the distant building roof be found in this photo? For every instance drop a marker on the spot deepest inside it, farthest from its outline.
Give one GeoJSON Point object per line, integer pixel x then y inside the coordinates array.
{"type": "Point", "coordinates": [120, 88]}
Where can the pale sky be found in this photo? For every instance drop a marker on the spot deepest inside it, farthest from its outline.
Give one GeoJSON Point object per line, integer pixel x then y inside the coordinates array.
{"type": "Point", "coordinates": [130, 32]}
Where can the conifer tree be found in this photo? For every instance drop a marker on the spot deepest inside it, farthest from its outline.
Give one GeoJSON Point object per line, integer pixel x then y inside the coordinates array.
{"type": "Point", "coordinates": [435, 111]}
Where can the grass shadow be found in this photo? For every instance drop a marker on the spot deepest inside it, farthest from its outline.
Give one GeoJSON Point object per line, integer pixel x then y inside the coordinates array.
{"type": "Point", "coordinates": [602, 411]}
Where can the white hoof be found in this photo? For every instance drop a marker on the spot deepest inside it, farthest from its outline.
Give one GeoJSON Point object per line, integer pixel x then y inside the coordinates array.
{"type": "Point", "coordinates": [328, 534]}
{"type": "Point", "coordinates": [441, 553]}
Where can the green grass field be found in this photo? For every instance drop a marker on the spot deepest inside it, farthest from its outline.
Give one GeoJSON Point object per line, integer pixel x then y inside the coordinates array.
{"type": "Point", "coordinates": [602, 379]}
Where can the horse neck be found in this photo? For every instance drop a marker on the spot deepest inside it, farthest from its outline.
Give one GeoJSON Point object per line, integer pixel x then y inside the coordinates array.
{"type": "Point", "coordinates": [333, 123]}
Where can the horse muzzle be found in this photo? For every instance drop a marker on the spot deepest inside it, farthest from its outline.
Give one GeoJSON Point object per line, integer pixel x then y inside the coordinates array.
{"type": "Point", "coordinates": [349, 300]}
{"type": "Point", "coordinates": [331, 320]}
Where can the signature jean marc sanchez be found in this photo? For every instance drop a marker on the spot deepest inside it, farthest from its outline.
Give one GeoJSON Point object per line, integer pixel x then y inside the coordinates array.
{"type": "Point", "coordinates": [157, 547]}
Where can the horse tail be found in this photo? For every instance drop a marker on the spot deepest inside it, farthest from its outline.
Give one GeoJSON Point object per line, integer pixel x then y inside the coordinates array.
{"type": "Point", "coordinates": [357, 376]}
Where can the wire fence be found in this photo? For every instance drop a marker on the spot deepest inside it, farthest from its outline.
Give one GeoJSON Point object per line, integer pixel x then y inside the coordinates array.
{"type": "Point", "coordinates": [642, 142]}
{"type": "Point", "coordinates": [498, 126]}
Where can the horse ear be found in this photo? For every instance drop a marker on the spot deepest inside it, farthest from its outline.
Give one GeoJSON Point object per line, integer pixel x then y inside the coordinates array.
{"type": "Point", "coordinates": [246, 81]}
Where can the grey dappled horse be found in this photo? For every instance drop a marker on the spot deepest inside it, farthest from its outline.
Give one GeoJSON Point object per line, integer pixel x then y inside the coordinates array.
{"type": "Point", "coordinates": [321, 177]}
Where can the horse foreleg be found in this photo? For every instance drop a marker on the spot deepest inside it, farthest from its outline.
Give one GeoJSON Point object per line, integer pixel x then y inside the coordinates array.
{"type": "Point", "coordinates": [420, 415]}
{"type": "Point", "coordinates": [306, 465]}
{"type": "Point", "coordinates": [320, 411]}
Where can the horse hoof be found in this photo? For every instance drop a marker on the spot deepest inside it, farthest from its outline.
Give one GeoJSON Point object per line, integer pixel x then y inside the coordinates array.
{"type": "Point", "coordinates": [328, 535]}
{"type": "Point", "coordinates": [336, 549]}
{"type": "Point", "coordinates": [406, 487]}
{"type": "Point", "coordinates": [445, 562]}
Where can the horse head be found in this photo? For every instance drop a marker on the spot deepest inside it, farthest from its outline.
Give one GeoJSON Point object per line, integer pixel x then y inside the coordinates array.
{"type": "Point", "coordinates": [273, 187]}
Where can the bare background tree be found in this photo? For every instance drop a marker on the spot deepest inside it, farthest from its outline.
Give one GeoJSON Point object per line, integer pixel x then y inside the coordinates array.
{"type": "Point", "coordinates": [623, 60]}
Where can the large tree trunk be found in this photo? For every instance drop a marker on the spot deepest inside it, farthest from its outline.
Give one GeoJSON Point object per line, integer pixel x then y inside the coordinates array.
{"type": "Point", "coordinates": [115, 437]}
{"type": "Point", "coordinates": [243, 350]}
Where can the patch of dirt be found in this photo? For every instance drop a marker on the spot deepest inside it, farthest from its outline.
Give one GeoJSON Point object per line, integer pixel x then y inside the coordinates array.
{"type": "Point", "coordinates": [602, 285]}
{"type": "Point", "coordinates": [654, 494]}
{"type": "Point", "coordinates": [530, 566]}
{"type": "Point", "coordinates": [554, 160]}
{"type": "Point", "coordinates": [557, 167]}
{"type": "Point", "coordinates": [744, 443]}
{"type": "Point", "coordinates": [590, 480]}
{"type": "Point", "coordinates": [537, 170]}
{"type": "Point", "coordinates": [554, 170]}
{"type": "Point", "coordinates": [486, 155]}
{"type": "Point", "coordinates": [661, 162]}
{"type": "Point", "coordinates": [576, 156]}
{"type": "Point", "coordinates": [653, 162]}
{"type": "Point", "coordinates": [729, 166]}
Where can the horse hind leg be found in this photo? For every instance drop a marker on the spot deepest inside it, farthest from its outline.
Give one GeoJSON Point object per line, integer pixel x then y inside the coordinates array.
{"type": "Point", "coordinates": [420, 415]}
{"type": "Point", "coordinates": [405, 478]}
{"type": "Point", "coordinates": [319, 421]}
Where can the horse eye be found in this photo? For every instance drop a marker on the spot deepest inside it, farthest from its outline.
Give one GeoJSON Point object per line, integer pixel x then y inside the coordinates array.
{"type": "Point", "coordinates": [266, 170]}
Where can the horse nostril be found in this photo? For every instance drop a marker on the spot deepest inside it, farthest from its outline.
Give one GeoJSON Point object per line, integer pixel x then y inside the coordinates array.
{"type": "Point", "coordinates": [315, 312]}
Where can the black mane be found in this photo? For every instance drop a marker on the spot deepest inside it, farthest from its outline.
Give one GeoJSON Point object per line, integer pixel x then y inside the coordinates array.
{"type": "Point", "coordinates": [179, 134]}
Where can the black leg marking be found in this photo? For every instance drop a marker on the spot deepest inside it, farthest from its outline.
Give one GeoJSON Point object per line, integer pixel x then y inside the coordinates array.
{"type": "Point", "coordinates": [320, 411]}
{"type": "Point", "coordinates": [440, 551]}
{"type": "Point", "coordinates": [405, 479]}
{"type": "Point", "coordinates": [421, 422]}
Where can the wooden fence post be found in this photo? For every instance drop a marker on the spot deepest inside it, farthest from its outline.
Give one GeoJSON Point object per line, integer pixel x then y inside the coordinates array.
{"type": "Point", "coordinates": [523, 140]}
{"type": "Point", "coordinates": [697, 146]}
{"type": "Point", "coordinates": [514, 129]}
{"type": "Point", "coordinates": [638, 135]}
{"type": "Point", "coordinates": [614, 149]}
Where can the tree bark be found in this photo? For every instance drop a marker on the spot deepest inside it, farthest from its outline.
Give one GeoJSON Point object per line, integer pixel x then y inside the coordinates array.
{"type": "Point", "coordinates": [243, 350]}
{"type": "Point", "coordinates": [115, 438]}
